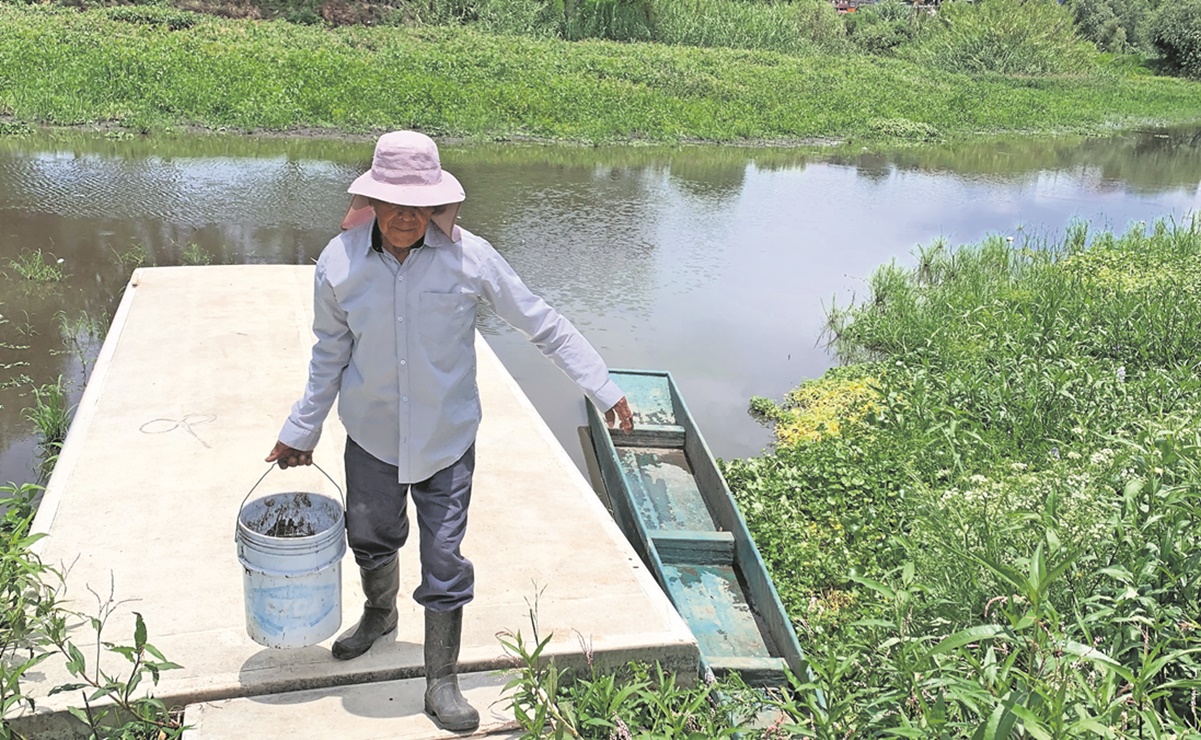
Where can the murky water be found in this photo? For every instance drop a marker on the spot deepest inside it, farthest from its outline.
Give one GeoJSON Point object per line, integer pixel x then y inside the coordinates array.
{"type": "Point", "coordinates": [713, 263]}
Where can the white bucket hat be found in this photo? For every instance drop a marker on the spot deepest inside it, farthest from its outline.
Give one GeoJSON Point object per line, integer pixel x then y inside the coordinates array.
{"type": "Point", "coordinates": [407, 171]}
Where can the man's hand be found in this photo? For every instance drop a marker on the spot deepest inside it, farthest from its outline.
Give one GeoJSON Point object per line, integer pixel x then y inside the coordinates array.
{"type": "Point", "coordinates": [289, 457]}
{"type": "Point", "coordinates": [622, 415]}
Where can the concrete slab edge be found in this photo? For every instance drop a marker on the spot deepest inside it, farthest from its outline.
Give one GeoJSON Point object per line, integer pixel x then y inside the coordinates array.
{"type": "Point", "coordinates": [84, 413]}
{"type": "Point", "coordinates": [645, 580]}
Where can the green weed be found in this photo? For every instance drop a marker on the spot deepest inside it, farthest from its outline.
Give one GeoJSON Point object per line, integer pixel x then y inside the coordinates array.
{"type": "Point", "coordinates": [135, 256]}
{"type": "Point", "coordinates": [38, 267]}
{"type": "Point", "coordinates": [636, 701]}
{"type": "Point", "coordinates": [50, 415]}
{"type": "Point", "coordinates": [1006, 541]}
{"type": "Point", "coordinates": [194, 254]}
{"type": "Point", "coordinates": [247, 75]}
{"type": "Point", "coordinates": [82, 335]}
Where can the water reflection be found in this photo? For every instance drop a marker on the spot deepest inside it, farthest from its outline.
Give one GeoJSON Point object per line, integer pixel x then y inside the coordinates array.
{"type": "Point", "coordinates": [714, 263]}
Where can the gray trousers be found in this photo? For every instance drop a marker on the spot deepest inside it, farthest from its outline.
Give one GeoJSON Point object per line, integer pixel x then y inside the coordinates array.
{"type": "Point", "coordinates": [377, 523]}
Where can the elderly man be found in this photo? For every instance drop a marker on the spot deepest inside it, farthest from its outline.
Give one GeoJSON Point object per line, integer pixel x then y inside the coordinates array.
{"type": "Point", "coordinates": [395, 301]}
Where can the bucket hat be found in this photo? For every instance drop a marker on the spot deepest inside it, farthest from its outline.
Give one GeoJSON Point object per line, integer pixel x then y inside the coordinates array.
{"type": "Point", "coordinates": [406, 170]}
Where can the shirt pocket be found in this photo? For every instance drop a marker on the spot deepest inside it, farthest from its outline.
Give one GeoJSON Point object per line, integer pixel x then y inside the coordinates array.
{"type": "Point", "coordinates": [447, 329]}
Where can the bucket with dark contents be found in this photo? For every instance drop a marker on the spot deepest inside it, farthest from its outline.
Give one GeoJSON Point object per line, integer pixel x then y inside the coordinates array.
{"type": "Point", "coordinates": [291, 546]}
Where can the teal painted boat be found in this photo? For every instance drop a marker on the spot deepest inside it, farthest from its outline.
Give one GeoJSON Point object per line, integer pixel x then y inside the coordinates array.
{"type": "Point", "coordinates": [674, 506]}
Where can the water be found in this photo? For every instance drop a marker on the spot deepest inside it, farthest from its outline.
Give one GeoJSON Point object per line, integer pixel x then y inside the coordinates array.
{"type": "Point", "coordinates": [714, 263]}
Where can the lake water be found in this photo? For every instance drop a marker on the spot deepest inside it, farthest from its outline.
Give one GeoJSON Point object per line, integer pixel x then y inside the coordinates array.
{"type": "Point", "coordinates": [715, 263]}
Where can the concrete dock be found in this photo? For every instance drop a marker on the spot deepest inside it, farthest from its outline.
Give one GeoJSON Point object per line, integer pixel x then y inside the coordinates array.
{"type": "Point", "coordinates": [199, 369]}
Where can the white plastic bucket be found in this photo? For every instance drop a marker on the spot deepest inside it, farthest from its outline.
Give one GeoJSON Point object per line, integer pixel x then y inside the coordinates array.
{"type": "Point", "coordinates": [291, 546]}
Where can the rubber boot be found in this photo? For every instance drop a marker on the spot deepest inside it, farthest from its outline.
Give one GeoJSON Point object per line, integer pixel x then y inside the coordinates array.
{"type": "Point", "coordinates": [443, 700]}
{"type": "Point", "coordinates": [380, 586]}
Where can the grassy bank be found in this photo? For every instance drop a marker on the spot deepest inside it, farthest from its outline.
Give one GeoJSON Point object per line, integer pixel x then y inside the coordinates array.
{"type": "Point", "coordinates": [60, 66]}
{"type": "Point", "coordinates": [989, 517]}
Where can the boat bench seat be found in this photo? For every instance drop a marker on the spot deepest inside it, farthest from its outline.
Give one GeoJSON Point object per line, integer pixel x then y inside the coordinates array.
{"type": "Point", "coordinates": [755, 671]}
{"type": "Point", "coordinates": [694, 547]}
{"type": "Point", "coordinates": [667, 436]}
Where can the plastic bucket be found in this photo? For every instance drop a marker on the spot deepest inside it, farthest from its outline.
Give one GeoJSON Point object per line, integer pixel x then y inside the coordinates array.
{"type": "Point", "coordinates": [291, 546]}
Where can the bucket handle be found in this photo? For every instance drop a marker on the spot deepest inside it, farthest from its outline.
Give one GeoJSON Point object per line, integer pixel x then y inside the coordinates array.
{"type": "Point", "coordinates": [341, 496]}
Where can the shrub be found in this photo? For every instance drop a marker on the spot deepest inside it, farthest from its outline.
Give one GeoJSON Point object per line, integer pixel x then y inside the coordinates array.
{"type": "Point", "coordinates": [1113, 25]}
{"type": "Point", "coordinates": [1176, 34]}
{"type": "Point", "coordinates": [173, 19]}
{"type": "Point", "coordinates": [1016, 37]}
{"type": "Point", "coordinates": [788, 27]}
{"type": "Point", "coordinates": [881, 27]}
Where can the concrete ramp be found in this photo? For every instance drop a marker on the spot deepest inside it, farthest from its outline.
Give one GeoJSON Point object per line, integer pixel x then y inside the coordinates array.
{"type": "Point", "coordinates": [200, 367]}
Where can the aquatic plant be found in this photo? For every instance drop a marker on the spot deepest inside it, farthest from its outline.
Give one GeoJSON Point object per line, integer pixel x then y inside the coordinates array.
{"type": "Point", "coordinates": [50, 415]}
{"type": "Point", "coordinates": [1008, 539]}
{"type": "Point", "coordinates": [82, 334]}
{"type": "Point", "coordinates": [133, 257]}
{"type": "Point", "coordinates": [194, 254]}
{"type": "Point", "coordinates": [38, 267]}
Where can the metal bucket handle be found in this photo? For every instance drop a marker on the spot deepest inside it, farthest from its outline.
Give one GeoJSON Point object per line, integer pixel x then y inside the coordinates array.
{"type": "Point", "coordinates": [341, 496]}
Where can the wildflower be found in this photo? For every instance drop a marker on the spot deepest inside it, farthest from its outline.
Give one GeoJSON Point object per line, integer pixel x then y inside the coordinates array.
{"type": "Point", "coordinates": [1054, 454]}
{"type": "Point", "coordinates": [1122, 374]}
{"type": "Point", "coordinates": [1018, 466]}
{"type": "Point", "coordinates": [1074, 455]}
{"type": "Point", "coordinates": [1078, 431]}
{"type": "Point", "coordinates": [940, 474]}
{"type": "Point", "coordinates": [977, 479]}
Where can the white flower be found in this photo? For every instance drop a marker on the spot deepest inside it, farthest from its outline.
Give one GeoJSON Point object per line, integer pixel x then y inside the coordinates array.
{"type": "Point", "coordinates": [1018, 466]}
{"type": "Point", "coordinates": [1122, 374]}
{"type": "Point", "coordinates": [1073, 455]}
{"type": "Point", "coordinates": [977, 479]}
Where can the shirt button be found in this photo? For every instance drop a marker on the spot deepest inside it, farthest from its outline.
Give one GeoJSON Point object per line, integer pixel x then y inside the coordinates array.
{"type": "Point", "coordinates": [405, 399]}
{"type": "Point", "coordinates": [400, 318]}
{"type": "Point", "coordinates": [403, 362]}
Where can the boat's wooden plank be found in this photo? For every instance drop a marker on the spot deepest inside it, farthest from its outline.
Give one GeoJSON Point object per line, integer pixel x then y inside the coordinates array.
{"type": "Point", "coordinates": [755, 671]}
{"type": "Point", "coordinates": [699, 548]}
{"type": "Point", "coordinates": [712, 601]}
{"type": "Point", "coordinates": [650, 435]}
{"type": "Point", "coordinates": [761, 591]}
{"type": "Point", "coordinates": [663, 491]}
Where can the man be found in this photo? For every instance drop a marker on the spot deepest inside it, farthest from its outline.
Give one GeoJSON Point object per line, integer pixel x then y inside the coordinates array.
{"type": "Point", "coordinates": [395, 301]}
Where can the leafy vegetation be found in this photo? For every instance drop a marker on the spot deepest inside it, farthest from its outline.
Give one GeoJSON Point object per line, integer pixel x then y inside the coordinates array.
{"type": "Point", "coordinates": [38, 267]}
{"type": "Point", "coordinates": [636, 701]}
{"type": "Point", "coordinates": [1176, 34]}
{"type": "Point", "coordinates": [63, 66]}
{"type": "Point", "coordinates": [34, 627]}
{"type": "Point", "coordinates": [1001, 535]}
{"type": "Point", "coordinates": [1003, 36]}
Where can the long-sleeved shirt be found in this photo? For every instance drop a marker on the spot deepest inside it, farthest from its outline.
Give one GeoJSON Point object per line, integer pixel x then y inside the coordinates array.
{"type": "Point", "coordinates": [396, 345]}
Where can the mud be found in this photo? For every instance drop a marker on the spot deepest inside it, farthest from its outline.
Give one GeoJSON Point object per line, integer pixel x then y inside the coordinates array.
{"type": "Point", "coordinates": [285, 516]}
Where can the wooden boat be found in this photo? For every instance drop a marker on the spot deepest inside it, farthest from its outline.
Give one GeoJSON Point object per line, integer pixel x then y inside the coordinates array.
{"type": "Point", "coordinates": [673, 504]}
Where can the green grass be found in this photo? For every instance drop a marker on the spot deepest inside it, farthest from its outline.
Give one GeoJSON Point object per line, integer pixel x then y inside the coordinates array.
{"type": "Point", "coordinates": [65, 67]}
{"type": "Point", "coordinates": [38, 267]}
{"type": "Point", "coordinates": [1003, 531]}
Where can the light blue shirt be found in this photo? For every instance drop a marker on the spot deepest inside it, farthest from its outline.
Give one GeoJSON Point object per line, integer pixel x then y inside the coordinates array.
{"type": "Point", "coordinates": [396, 345]}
